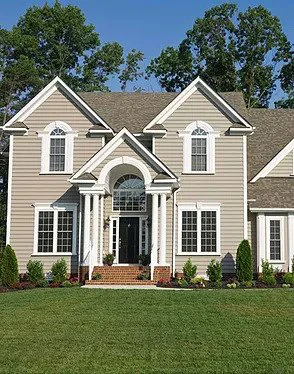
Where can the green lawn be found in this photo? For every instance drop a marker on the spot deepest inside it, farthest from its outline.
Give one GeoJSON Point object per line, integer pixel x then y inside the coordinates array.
{"type": "Point", "coordinates": [118, 331]}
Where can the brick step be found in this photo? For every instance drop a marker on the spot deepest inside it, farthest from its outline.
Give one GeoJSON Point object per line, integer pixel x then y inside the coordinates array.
{"type": "Point", "coordinates": [121, 282]}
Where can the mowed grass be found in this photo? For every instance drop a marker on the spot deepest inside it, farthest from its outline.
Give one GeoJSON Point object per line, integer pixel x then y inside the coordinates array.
{"type": "Point", "coordinates": [139, 331]}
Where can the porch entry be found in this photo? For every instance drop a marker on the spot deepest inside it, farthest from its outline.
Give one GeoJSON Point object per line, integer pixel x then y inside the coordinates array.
{"type": "Point", "coordinates": [128, 238]}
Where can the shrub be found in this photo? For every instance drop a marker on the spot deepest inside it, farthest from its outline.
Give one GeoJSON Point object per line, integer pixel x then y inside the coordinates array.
{"type": "Point", "coordinates": [289, 278]}
{"type": "Point", "coordinates": [232, 285]}
{"type": "Point", "coordinates": [108, 259]}
{"type": "Point", "coordinates": [59, 270]}
{"type": "Point", "coordinates": [35, 271]}
{"type": "Point", "coordinates": [248, 284]}
{"type": "Point", "coordinates": [183, 283]}
{"type": "Point", "coordinates": [244, 268]}
{"type": "Point", "coordinates": [9, 267]}
{"type": "Point", "coordinates": [267, 274]}
{"type": "Point", "coordinates": [214, 272]}
{"type": "Point", "coordinates": [143, 276]}
{"type": "Point", "coordinates": [189, 270]}
{"type": "Point", "coordinates": [286, 285]}
{"type": "Point", "coordinates": [42, 283]}
{"type": "Point", "coordinates": [75, 284]}
{"type": "Point", "coordinates": [66, 284]}
{"type": "Point", "coordinates": [197, 280]}
{"type": "Point", "coordinates": [145, 259]}
{"type": "Point", "coordinates": [96, 276]}
{"type": "Point", "coordinates": [1, 261]}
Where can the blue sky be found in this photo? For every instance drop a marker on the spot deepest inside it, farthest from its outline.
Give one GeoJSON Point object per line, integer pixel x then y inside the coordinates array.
{"type": "Point", "coordinates": [148, 25]}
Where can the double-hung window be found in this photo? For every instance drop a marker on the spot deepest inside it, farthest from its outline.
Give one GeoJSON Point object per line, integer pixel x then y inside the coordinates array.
{"type": "Point", "coordinates": [275, 238]}
{"type": "Point", "coordinates": [198, 148]}
{"type": "Point", "coordinates": [55, 229]}
{"type": "Point", "coordinates": [199, 228]}
{"type": "Point", "coordinates": [57, 148]}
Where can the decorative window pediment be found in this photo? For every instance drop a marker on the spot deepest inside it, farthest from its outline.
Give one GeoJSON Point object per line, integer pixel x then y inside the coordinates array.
{"type": "Point", "coordinates": [57, 148]}
{"type": "Point", "coordinates": [199, 148]}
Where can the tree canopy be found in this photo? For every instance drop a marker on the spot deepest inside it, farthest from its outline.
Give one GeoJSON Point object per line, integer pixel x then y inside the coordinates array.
{"type": "Point", "coordinates": [55, 40]}
{"type": "Point", "coordinates": [230, 50]}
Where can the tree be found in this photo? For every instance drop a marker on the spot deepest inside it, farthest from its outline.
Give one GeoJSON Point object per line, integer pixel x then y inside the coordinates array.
{"type": "Point", "coordinates": [131, 72]}
{"type": "Point", "coordinates": [261, 46]}
{"type": "Point", "coordinates": [9, 267]}
{"type": "Point", "coordinates": [287, 84]}
{"type": "Point", "coordinates": [55, 40]}
{"type": "Point", "coordinates": [244, 269]}
{"type": "Point", "coordinates": [229, 50]}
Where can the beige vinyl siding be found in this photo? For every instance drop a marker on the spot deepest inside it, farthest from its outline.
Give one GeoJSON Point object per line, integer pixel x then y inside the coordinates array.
{"type": "Point", "coordinates": [29, 187]}
{"type": "Point", "coordinates": [224, 187]}
{"type": "Point", "coordinates": [284, 168]}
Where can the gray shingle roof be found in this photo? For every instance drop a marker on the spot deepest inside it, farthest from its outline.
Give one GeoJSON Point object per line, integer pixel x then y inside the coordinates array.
{"type": "Point", "coordinates": [133, 110]}
{"type": "Point", "coordinates": [274, 129]}
{"type": "Point", "coordinates": [272, 193]}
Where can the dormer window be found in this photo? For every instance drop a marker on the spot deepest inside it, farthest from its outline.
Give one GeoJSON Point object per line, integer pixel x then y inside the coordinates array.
{"type": "Point", "coordinates": [57, 148]}
{"type": "Point", "coordinates": [198, 148]}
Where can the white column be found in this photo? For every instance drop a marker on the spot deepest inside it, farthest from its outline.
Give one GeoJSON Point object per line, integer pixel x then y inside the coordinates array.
{"type": "Point", "coordinates": [95, 228]}
{"type": "Point", "coordinates": [261, 238]}
{"type": "Point", "coordinates": [87, 224]}
{"type": "Point", "coordinates": [101, 230]}
{"type": "Point", "coordinates": [162, 253]}
{"type": "Point", "coordinates": [291, 238]}
{"type": "Point", "coordinates": [154, 234]}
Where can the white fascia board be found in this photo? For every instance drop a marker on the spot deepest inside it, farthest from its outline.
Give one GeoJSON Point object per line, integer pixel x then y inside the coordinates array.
{"type": "Point", "coordinates": [111, 146]}
{"type": "Point", "coordinates": [274, 161]}
{"type": "Point", "coordinates": [185, 94]}
{"type": "Point", "coordinates": [48, 91]}
{"type": "Point", "coordinates": [271, 209]}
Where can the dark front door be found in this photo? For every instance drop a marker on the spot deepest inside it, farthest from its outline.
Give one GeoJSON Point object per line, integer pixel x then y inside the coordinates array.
{"type": "Point", "coordinates": [128, 240]}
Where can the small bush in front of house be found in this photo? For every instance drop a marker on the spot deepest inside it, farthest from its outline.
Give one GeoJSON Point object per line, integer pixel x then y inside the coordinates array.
{"type": "Point", "coordinates": [183, 283]}
{"type": "Point", "coordinates": [244, 267]}
{"type": "Point", "coordinates": [59, 271]}
{"type": "Point", "coordinates": [214, 273]}
{"type": "Point", "coordinates": [143, 276]}
{"type": "Point", "coordinates": [189, 270]}
{"type": "Point", "coordinates": [66, 284]}
{"type": "Point", "coordinates": [42, 283]}
{"type": "Point", "coordinates": [197, 280]}
{"type": "Point", "coordinates": [35, 271]}
{"type": "Point", "coordinates": [1, 261]}
{"type": "Point", "coordinates": [9, 267]}
{"type": "Point", "coordinates": [96, 276]}
{"type": "Point", "coordinates": [288, 278]}
{"type": "Point", "coordinates": [108, 259]}
{"type": "Point", "coordinates": [232, 285]}
{"type": "Point", "coordinates": [145, 259]}
{"type": "Point", "coordinates": [267, 275]}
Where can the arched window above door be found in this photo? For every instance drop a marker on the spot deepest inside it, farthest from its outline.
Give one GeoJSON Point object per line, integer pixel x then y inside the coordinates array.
{"type": "Point", "coordinates": [129, 194]}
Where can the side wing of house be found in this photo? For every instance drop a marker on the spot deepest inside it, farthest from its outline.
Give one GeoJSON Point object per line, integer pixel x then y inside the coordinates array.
{"type": "Point", "coordinates": [271, 189]}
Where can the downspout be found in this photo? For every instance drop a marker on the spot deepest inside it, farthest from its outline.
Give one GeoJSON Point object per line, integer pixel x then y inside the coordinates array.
{"type": "Point", "coordinates": [174, 231]}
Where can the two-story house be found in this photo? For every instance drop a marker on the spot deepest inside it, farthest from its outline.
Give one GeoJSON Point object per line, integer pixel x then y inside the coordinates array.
{"type": "Point", "coordinates": [176, 176]}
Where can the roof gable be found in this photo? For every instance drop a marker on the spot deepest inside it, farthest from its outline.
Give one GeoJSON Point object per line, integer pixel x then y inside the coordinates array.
{"type": "Point", "coordinates": [115, 142]}
{"type": "Point", "coordinates": [198, 83]}
{"type": "Point", "coordinates": [54, 85]}
{"type": "Point", "coordinates": [274, 161]}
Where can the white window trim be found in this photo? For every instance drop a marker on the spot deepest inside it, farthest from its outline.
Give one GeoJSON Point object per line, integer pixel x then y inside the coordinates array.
{"type": "Point", "coordinates": [55, 208]}
{"type": "Point", "coordinates": [210, 147]}
{"type": "Point", "coordinates": [142, 220]}
{"type": "Point", "coordinates": [69, 147]}
{"type": "Point", "coordinates": [267, 238]}
{"type": "Point", "coordinates": [199, 207]}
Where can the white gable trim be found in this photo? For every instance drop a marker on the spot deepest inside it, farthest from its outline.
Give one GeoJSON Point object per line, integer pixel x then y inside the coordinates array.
{"type": "Point", "coordinates": [111, 146]}
{"type": "Point", "coordinates": [185, 94]}
{"type": "Point", "coordinates": [274, 161]}
{"type": "Point", "coordinates": [44, 94]}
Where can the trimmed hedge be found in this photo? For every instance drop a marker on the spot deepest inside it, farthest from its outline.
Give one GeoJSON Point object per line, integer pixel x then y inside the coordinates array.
{"type": "Point", "coordinates": [244, 267]}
